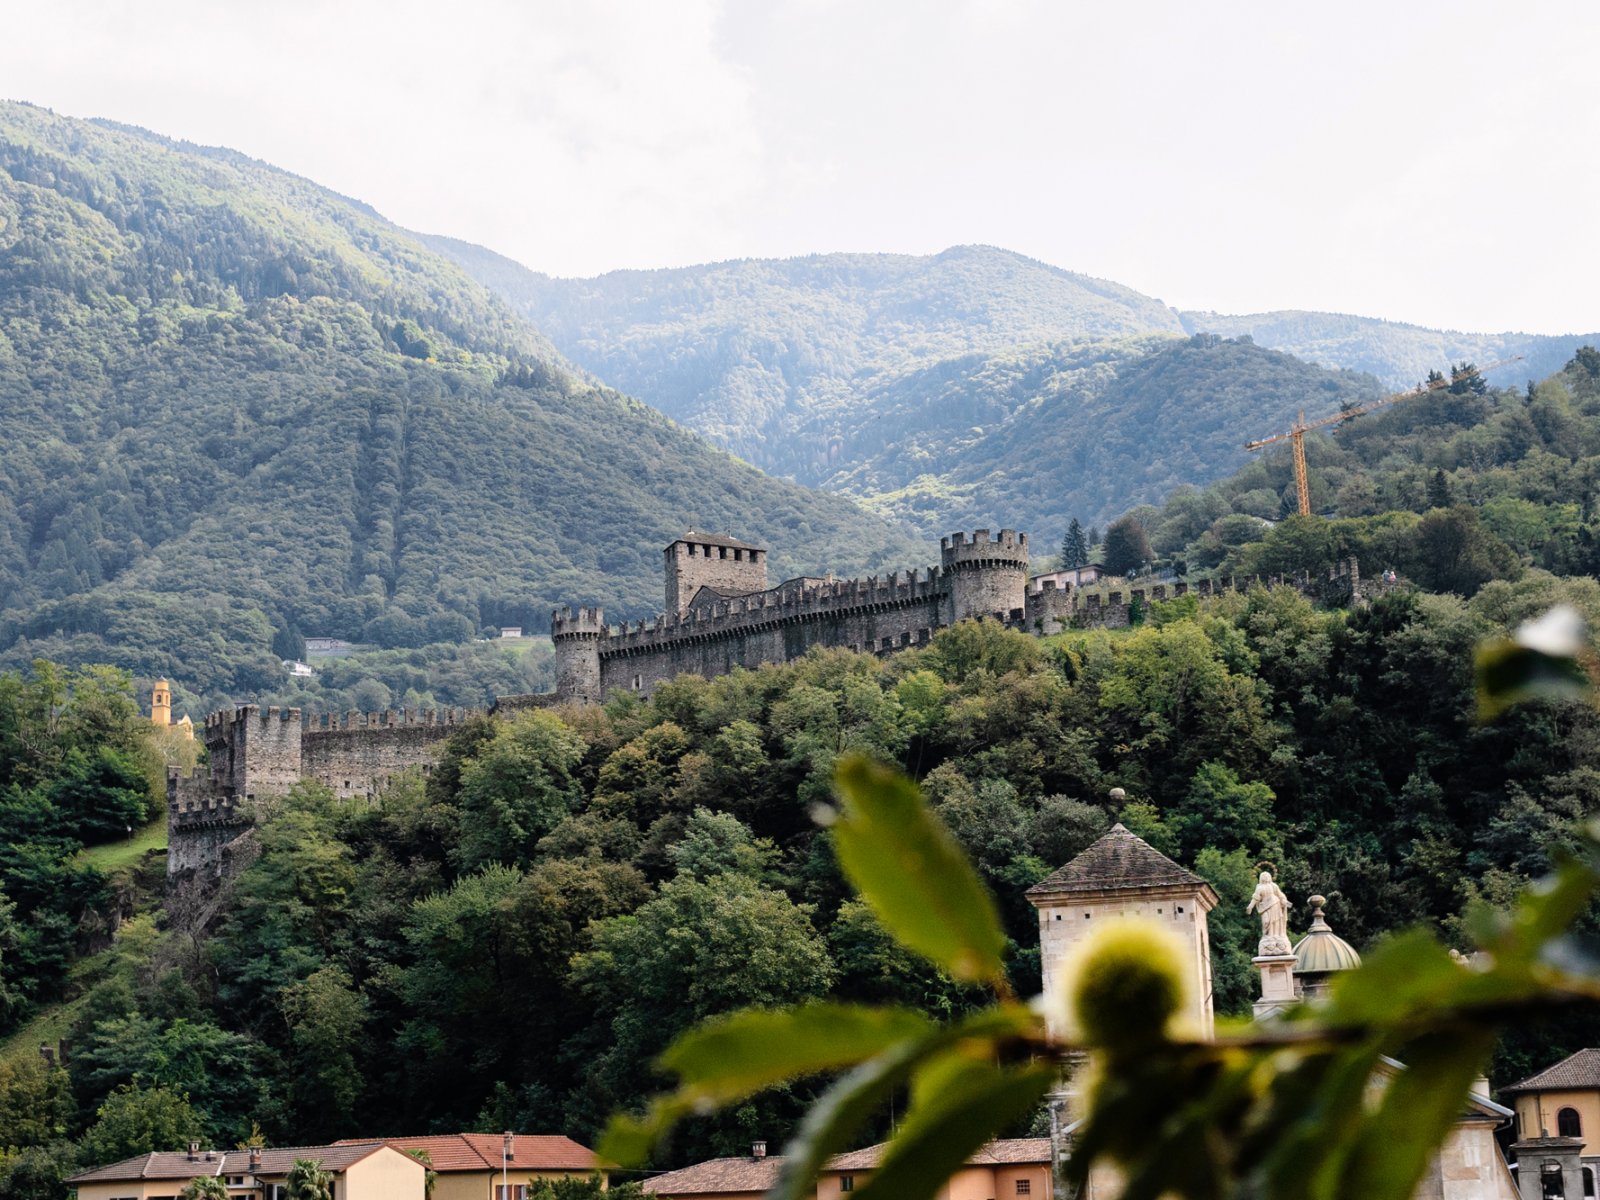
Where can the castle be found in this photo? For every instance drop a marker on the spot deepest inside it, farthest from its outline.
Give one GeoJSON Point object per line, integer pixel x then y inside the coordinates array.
{"type": "Point", "coordinates": [719, 614]}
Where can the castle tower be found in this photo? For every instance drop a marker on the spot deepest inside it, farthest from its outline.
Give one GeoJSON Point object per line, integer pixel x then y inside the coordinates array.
{"type": "Point", "coordinates": [987, 576]}
{"type": "Point", "coordinates": [1124, 876]}
{"type": "Point", "coordinates": [161, 704]}
{"type": "Point", "coordinates": [576, 634]}
{"type": "Point", "coordinates": [698, 560]}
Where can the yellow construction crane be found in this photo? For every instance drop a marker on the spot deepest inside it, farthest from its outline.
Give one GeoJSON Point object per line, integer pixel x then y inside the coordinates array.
{"type": "Point", "coordinates": [1297, 435]}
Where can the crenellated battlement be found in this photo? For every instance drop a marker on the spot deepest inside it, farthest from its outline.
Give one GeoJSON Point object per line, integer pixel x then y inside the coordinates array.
{"type": "Point", "coordinates": [392, 719]}
{"type": "Point", "coordinates": [577, 622]}
{"type": "Point", "coordinates": [796, 600]}
{"type": "Point", "coordinates": [957, 553]}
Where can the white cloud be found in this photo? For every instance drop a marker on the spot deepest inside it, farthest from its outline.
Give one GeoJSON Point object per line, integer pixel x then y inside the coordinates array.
{"type": "Point", "coordinates": [1429, 162]}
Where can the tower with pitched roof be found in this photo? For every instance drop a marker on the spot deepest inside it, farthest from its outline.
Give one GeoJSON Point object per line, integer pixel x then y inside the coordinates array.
{"type": "Point", "coordinates": [1122, 875]}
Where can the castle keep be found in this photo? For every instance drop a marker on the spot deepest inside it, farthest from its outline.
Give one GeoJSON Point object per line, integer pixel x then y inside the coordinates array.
{"type": "Point", "coordinates": [719, 614]}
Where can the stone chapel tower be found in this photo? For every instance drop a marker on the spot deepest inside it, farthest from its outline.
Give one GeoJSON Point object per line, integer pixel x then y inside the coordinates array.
{"type": "Point", "coordinates": [1123, 875]}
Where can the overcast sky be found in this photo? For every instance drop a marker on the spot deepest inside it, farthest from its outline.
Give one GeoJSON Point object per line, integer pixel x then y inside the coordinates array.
{"type": "Point", "coordinates": [1429, 162]}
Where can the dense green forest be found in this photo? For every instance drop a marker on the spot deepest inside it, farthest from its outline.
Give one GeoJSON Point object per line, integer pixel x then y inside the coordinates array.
{"type": "Point", "coordinates": [919, 384]}
{"type": "Point", "coordinates": [238, 406]}
{"type": "Point", "coordinates": [1451, 488]}
{"type": "Point", "coordinates": [532, 922]}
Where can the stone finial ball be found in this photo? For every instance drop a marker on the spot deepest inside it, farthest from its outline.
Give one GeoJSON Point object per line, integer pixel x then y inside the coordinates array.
{"type": "Point", "coordinates": [1118, 795]}
{"type": "Point", "coordinates": [1317, 901]}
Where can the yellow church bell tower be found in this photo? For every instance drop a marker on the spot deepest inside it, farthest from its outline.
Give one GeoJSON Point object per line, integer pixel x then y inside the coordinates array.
{"type": "Point", "coordinates": [161, 704]}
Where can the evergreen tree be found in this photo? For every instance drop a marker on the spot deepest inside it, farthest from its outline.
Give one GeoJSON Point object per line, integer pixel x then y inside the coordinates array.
{"type": "Point", "coordinates": [1466, 378]}
{"type": "Point", "coordinates": [1127, 546]}
{"type": "Point", "coordinates": [1074, 547]}
{"type": "Point", "coordinates": [1094, 536]}
{"type": "Point", "coordinates": [1439, 490]}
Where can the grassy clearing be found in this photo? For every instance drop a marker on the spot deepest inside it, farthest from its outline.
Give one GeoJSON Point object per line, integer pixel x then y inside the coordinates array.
{"type": "Point", "coordinates": [112, 857]}
{"type": "Point", "coordinates": [48, 1027]}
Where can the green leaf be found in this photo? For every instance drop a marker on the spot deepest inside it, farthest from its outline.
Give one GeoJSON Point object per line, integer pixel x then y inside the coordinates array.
{"type": "Point", "coordinates": [831, 1124]}
{"type": "Point", "coordinates": [1420, 1105]}
{"type": "Point", "coordinates": [729, 1059]}
{"type": "Point", "coordinates": [973, 1102]}
{"type": "Point", "coordinates": [844, 1109]}
{"type": "Point", "coordinates": [913, 874]}
{"type": "Point", "coordinates": [1509, 673]}
{"type": "Point", "coordinates": [628, 1140]}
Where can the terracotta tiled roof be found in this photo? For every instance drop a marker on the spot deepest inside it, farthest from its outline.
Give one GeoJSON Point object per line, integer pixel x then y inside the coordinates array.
{"type": "Point", "coordinates": [481, 1152]}
{"type": "Point", "coordinates": [176, 1164]}
{"type": "Point", "coordinates": [1118, 861]}
{"type": "Point", "coordinates": [1002, 1152]}
{"type": "Point", "coordinates": [718, 1175]}
{"type": "Point", "coordinates": [1580, 1070]}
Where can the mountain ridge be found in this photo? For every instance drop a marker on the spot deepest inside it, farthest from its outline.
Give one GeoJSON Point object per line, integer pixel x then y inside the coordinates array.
{"type": "Point", "coordinates": [240, 407]}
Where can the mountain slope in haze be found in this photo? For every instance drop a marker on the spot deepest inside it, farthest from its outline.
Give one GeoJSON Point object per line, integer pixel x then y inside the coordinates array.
{"type": "Point", "coordinates": [930, 388]}
{"type": "Point", "coordinates": [237, 404]}
{"type": "Point", "coordinates": [761, 354]}
{"type": "Point", "coordinates": [1400, 355]}
{"type": "Point", "coordinates": [1041, 434]}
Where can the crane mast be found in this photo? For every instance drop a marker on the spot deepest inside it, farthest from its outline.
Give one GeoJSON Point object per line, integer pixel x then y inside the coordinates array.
{"type": "Point", "coordinates": [1296, 436]}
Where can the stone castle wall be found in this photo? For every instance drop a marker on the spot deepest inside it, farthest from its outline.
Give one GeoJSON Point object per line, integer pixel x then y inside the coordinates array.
{"type": "Point", "coordinates": [252, 755]}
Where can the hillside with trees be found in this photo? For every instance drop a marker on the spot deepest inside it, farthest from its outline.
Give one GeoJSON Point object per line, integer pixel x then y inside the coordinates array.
{"type": "Point", "coordinates": [1452, 488]}
{"type": "Point", "coordinates": [1397, 353]}
{"type": "Point", "coordinates": [919, 385]}
{"type": "Point", "coordinates": [240, 409]}
{"type": "Point", "coordinates": [509, 941]}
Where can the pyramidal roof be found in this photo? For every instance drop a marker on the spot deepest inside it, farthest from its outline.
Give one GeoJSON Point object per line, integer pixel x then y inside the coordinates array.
{"type": "Point", "coordinates": [1119, 861]}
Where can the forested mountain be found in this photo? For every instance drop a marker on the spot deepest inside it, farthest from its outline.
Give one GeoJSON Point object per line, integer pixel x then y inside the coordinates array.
{"type": "Point", "coordinates": [762, 354]}
{"type": "Point", "coordinates": [930, 388]}
{"type": "Point", "coordinates": [1453, 488]}
{"type": "Point", "coordinates": [1397, 353]}
{"type": "Point", "coordinates": [236, 404]}
{"type": "Point", "coordinates": [1038, 434]}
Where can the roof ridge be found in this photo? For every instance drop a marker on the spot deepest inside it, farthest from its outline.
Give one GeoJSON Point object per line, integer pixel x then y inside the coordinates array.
{"type": "Point", "coordinates": [1118, 860]}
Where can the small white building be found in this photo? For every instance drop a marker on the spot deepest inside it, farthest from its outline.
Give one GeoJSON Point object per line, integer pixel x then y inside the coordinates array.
{"type": "Point", "coordinates": [298, 669]}
{"type": "Point", "coordinates": [510, 631]}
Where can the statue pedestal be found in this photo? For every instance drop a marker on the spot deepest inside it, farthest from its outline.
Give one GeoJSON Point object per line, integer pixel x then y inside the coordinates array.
{"type": "Point", "coordinates": [1277, 984]}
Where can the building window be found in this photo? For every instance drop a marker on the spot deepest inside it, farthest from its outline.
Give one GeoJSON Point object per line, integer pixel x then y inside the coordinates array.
{"type": "Point", "coordinates": [1024, 1187]}
{"type": "Point", "coordinates": [847, 1183]}
{"type": "Point", "coordinates": [1550, 1184]}
{"type": "Point", "coordinates": [1568, 1123]}
{"type": "Point", "coordinates": [1588, 1182]}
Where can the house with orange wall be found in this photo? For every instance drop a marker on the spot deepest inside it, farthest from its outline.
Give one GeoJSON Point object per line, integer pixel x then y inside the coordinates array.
{"type": "Point", "coordinates": [468, 1166]}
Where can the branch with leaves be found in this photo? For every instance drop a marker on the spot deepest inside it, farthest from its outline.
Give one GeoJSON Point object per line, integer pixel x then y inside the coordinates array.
{"type": "Point", "coordinates": [1313, 1106]}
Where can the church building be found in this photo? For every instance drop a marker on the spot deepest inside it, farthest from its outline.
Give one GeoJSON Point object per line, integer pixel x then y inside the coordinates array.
{"type": "Point", "coordinates": [1122, 875]}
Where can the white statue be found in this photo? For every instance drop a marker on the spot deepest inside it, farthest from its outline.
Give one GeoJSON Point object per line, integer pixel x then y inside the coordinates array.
{"type": "Point", "coordinates": [1273, 906]}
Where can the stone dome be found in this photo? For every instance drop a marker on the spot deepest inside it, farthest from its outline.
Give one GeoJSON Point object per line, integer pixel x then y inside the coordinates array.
{"type": "Point", "coordinates": [1322, 950]}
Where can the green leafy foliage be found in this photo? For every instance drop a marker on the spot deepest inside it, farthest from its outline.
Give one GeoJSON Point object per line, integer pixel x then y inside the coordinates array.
{"type": "Point", "coordinates": [1284, 1111]}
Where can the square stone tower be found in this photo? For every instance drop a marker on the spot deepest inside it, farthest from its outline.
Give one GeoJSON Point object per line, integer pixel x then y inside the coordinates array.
{"type": "Point", "coordinates": [698, 560]}
{"type": "Point", "coordinates": [1123, 875]}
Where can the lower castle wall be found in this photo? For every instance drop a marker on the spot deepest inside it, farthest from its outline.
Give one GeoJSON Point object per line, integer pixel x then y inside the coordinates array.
{"type": "Point", "coordinates": [359, 762]}
{"type": "Point", "coordinates": [871, 629]}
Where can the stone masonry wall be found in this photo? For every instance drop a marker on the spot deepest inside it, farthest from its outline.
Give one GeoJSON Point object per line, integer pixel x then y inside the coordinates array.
{"type": "Point", "coordinates": [358, 757]}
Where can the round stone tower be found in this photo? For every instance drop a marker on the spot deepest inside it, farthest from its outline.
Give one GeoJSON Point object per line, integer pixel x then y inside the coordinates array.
{"type": "Point", "coordinates": [988, 576]}
{"type": "Point", "coordinates": [576, 634]}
